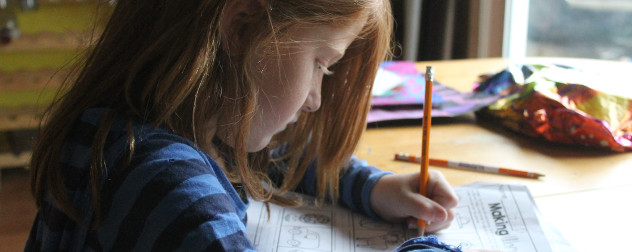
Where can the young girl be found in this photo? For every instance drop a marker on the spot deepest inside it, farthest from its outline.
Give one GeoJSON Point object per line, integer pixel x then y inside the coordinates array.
{"type": "Point", "coordinates": [184, 108]}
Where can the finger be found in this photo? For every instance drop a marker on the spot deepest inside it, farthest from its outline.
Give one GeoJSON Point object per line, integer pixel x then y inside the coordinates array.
{"type": "Point", "coordinates": [431, 228]}
{"type": "Point", "coordinates": [441, 191]}
{"type": "Point", "coordinates": [426, 208]}
{"type": "Point", "coordinates": [436, 226]}
{"type": "Point", "coordinates": [429, 210]}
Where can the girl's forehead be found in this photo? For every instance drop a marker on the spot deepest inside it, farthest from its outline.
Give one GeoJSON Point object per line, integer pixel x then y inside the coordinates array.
{"type": "Point", "coordinates": [327, 33]}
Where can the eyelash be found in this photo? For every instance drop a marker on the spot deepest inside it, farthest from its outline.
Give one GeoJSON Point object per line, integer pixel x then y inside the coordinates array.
{"type": "Point", "coordinates": [324, 69]}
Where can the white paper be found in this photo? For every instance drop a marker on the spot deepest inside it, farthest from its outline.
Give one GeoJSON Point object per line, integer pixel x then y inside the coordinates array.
{"type": "Point", "coordinates": [489, 216]}
{"type": "Point", "coordinates": [329, 228]}
{"type": "Point", "coordinates": [385, 81]}
{"type": "Point", "coordinates": [497, 217]}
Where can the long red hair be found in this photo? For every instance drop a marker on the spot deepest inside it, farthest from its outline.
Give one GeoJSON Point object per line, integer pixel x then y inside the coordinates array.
{"type": "Point", "coordinates": [163, 62]}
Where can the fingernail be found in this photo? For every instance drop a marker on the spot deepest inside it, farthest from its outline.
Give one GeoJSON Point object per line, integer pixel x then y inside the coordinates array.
{"type": "Point", "coordinates": [439, 217]}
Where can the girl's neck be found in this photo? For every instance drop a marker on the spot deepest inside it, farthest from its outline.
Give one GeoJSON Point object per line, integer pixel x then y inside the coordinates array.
{"type": "Point", "coordinates": [217, 151]}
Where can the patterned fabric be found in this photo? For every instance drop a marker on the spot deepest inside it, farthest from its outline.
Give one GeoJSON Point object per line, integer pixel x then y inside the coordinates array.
{"type": "Point", "coordinates": [426, 244]}
{"type": "Point", "coordinates": [173, 196]}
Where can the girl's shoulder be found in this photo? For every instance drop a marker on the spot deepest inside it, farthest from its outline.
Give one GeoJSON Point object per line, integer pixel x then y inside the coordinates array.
{"type": "Point", "coordinates": [149, 145]}
{"type": "Point", "coordinates": [162, 164]}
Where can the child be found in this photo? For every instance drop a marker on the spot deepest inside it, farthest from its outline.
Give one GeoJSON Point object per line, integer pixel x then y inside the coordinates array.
{"type": "Point", "coordinates": [185, 108]}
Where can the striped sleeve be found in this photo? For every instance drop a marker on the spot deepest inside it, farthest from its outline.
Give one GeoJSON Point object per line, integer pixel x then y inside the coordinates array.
{"type": "Point", "coordinates": [355, 186]}
{"type": "Point", "coordinates": [174, 198]}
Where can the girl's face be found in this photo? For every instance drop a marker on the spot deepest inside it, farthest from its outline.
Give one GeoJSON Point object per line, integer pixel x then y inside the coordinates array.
{"type": "Point", "coordinates": [292, 82]}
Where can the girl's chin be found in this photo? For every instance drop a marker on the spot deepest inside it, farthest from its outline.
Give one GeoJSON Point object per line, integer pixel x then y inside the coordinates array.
{"type": "Point", "coordinates": [259, 145]}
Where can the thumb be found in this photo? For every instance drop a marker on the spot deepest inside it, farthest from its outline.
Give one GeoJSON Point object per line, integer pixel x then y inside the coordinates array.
{"type": "Point", "coordinates": [430, 211]}
{"type": "Point", "coordinates": [425, 208]}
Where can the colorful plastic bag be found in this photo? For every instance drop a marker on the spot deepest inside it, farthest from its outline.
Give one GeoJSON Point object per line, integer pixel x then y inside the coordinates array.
{"type": "Point", "coordinates": [547, 101]}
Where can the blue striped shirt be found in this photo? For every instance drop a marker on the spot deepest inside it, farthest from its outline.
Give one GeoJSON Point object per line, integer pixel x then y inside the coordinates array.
{"type": "Point", "coordinates": [172, 196]}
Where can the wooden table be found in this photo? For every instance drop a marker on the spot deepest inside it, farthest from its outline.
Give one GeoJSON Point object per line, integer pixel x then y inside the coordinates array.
{"type": "Point", "coordinates": [585, 193]}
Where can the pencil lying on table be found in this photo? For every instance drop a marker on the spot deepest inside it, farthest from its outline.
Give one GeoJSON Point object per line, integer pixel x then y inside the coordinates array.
{"type": "Point", "coordinates": [470, 166]}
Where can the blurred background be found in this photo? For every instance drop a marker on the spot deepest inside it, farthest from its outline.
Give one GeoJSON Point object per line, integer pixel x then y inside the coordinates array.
{"type": "Point", "coordinates": [456, 29]}
{"type": "Point", "coordinates": [39, 39]}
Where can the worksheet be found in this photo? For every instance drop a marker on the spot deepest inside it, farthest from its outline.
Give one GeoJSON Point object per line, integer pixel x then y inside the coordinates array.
{"type": "Point", "coordinates": [496, 216]}
{"type": "Point", "coordinates": [328, 228]}
{"type": "Point", "coordinates": [489, 216]}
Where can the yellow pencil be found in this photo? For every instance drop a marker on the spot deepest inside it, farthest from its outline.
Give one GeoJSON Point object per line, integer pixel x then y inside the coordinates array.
{"type": "Point", "coordinates": [425, 141]}
{"type": "Point", "coordinates": [470, 166]}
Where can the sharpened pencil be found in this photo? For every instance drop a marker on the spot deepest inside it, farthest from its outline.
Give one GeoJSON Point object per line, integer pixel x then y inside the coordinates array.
{"type": "Point", "coordinates": [470, 166]}
{"type": "Point", "coordinates": [425, 141]}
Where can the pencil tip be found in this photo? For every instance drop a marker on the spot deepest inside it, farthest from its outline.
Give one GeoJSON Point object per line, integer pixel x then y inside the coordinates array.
{"type": "Point", "coordinates": [420, 231]}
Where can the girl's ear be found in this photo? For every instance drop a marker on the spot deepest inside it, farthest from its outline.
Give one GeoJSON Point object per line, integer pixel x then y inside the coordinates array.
{"type": "Point", "coordinates": [238, 16]}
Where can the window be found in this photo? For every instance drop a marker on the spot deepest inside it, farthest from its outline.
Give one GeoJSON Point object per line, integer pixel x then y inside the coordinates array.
{"type": "Point", "coordinates": [598, 29]}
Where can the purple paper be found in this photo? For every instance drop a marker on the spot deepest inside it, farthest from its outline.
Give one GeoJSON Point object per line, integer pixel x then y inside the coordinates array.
{"type": "Point", "coordinates": [406, 101]}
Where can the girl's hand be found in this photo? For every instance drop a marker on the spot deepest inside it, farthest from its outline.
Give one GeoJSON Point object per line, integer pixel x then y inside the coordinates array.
{"type": "Point", "coordinates": [396, 198]}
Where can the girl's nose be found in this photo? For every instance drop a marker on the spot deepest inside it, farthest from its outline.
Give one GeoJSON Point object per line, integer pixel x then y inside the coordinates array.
{"type": "Point", "coordinates": [312, 103]}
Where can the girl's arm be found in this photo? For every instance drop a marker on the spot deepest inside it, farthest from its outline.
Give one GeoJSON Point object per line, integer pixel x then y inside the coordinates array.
{"type": "Point", "coordinates": [392, 197]}
{"type": "Point", "coordinates": [174, 197]}
{"type": "Point", "coordinates": [356, 183]}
